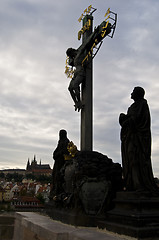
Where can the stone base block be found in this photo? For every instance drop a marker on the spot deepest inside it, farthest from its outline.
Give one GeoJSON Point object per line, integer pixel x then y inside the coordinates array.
{"type": "Point", "coordinates": [135, 215]}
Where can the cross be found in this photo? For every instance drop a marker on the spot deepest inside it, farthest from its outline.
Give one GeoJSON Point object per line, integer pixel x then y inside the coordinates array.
{"type": "Point", "coordinates": [82, 60]}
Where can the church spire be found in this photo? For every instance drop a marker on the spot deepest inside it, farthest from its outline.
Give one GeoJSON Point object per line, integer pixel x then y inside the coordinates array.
{"type": "Point", "coordinates": [34, 158]}
{"type": "Point", "coordinates": [28, 164]}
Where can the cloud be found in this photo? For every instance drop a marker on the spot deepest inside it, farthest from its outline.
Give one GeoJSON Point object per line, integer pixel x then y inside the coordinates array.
{"type": "Point", "coordinates": [34, 100]}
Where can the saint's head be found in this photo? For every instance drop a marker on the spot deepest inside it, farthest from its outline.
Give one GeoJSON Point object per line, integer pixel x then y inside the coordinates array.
{"type": "Point", "coordinates": [138, 93]}
{"type": "Point", "coordinates": [62, 134]}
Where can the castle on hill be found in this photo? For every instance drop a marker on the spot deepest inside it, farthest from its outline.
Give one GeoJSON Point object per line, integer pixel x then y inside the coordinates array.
{"type": "Point", "coordinates": [38, 169]}
{"type": "Point", "coordinates": [32, 167]}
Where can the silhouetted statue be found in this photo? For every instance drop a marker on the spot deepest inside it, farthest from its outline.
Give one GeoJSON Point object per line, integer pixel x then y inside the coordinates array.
{"type": "Point", "coordinates": [58, 156]}
{"type": "Point", "coordinates": [76, 57]}
{"type": "Point", "coordinates": [79, 75]}
{"type": "Point", "coordinates": [136, 145]}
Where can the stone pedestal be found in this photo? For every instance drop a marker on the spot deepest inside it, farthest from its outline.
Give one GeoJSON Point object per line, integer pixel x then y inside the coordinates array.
{"type": "Point", "coordinates": [71, 216]}
{"type": "Point", "coordinates": [135, 214]}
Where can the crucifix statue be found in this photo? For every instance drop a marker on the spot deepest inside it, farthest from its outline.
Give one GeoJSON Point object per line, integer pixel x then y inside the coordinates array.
{"type": "Point", "coordinates": [80, 61]}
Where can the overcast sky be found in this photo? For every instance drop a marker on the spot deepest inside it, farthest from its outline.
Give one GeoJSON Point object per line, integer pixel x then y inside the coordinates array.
{"type": "Point", "coordinates": [34, 101]}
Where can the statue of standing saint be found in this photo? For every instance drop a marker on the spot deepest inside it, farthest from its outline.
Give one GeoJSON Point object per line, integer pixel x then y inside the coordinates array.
{"type": "Point", "coordinates": [58, 156]}
{"type": "Point", "coordinates": [136, 145]}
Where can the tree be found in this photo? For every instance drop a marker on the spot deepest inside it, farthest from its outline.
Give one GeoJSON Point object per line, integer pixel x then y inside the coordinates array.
{"type": "Point", "coordinates": [41, 198]}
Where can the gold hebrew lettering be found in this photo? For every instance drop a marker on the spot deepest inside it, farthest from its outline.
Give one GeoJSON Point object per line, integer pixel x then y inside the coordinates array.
{"type": "Point", "coordinates": [108, 11]}
{"type": "Point", "coordinates": [84, 28]}
{"type": "Point", "coordinates": [85, 11]}
{"type": "Point", "coordinates": [103, 33]}
{"type": "Point", "coordinates": [86, 58]}
{"type": "Point", "coordinates": [107, 18]}
{"type": "Point", "coordinates": [106, 25]}
{"type": "Point", "coordinates": [80, 19]}
{"type": "Point", "coordinates": [89, 8]}
{"type": "Point", "coordinates": [88, 24]}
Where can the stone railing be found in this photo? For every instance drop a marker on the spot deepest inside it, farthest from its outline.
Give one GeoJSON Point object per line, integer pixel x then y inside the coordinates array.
{"type": "Point", "coordinates": [35, 226]}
